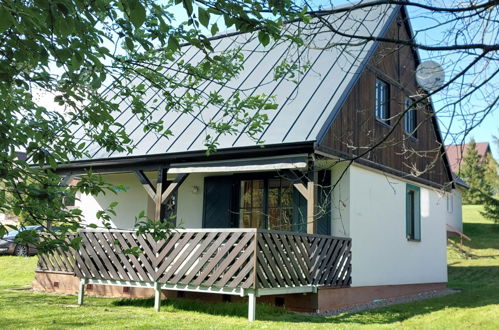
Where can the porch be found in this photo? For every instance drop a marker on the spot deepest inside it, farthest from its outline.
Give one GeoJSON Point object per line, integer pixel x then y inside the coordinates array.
{"type": "Point", "coordinates": [243, 262]}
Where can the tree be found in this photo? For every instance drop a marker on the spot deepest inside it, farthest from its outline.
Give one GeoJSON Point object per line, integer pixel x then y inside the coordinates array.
{"type": "Point", "coordinates": [492, 172]}
{"type": "Point", "coordinates": [491, 208]}
{"type": "Point", "coordinates": [92, 55]}
{"type": "Point", "coordinates": [71, 50]}
{"type": "Point", "coordinates": [491, 203]}
{"type": "Point", "coordinates": [473, 173]}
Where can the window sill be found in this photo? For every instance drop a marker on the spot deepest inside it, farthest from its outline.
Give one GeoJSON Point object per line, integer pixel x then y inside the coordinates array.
{"type": "Point", "coordinates": [382, 123]}
{"type": "Point", "coordinates": [413, 240]}
{"type": "Point", "coordinates": [411, 137]}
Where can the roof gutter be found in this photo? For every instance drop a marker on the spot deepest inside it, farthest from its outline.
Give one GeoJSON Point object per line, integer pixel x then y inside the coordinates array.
{"type": "Point", "coordinates": [159, 160]}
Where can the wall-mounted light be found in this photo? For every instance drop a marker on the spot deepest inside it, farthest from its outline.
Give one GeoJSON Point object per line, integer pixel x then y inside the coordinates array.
{"type": "Point", "coordinates": [195, 189]}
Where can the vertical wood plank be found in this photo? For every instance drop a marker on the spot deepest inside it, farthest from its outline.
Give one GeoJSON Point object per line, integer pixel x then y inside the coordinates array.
{"type": "Point", "coordinates": [160, 186]}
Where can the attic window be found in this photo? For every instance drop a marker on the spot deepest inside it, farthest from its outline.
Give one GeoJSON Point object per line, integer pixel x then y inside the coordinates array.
{"type": "Point", "coordinates": [410, 118]}
{"type": "Point", "coordinates": [382, 106]}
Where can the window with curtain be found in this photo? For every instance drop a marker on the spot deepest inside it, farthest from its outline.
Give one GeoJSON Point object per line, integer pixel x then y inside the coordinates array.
{"type": "Point", "coordinates": [280, 204]}
{"type": "Point", "coordinates": [252, 208]}
{"type": "Point", "coordinates": [267, 204]}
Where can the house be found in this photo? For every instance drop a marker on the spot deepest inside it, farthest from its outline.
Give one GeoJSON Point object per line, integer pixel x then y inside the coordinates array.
{"type": "Point", "coordinates": [6, 218]}
{"type": "Point", "coordinates": [454, 208]}
{"type": "Point", "coordinates": [457, 152]}
{"type": "Point", "coordinates": [308, 221]}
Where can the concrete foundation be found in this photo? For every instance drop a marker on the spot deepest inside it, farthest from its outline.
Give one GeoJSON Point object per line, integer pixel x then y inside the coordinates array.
{"type": "Point", "coordinates": [326, 299]}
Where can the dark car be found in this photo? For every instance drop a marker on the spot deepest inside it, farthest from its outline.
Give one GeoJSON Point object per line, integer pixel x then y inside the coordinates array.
{"type": "Point", "coordinates": [8, 244]}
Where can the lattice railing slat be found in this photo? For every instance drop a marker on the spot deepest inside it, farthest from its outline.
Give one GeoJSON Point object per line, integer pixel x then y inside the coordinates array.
{"type": "Point", "coordinates": [224, 258]}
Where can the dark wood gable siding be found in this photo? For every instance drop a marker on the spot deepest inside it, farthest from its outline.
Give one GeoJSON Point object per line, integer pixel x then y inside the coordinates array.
{"type": "Point", "coordinates": [355, 127]}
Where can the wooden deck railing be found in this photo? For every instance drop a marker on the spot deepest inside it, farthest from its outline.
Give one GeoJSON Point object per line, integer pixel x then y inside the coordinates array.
{"type": "Point", "coordinates": [219, 258]}
{"type": "Point", "coordinates": [58, 261]}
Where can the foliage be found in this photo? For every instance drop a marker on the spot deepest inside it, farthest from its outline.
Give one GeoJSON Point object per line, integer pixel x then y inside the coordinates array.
{"type": "Point", "coordinates": [492, 172]}
{"type": "Point", "coordinates": [491, 208]}
{"type": "Point", "coordinates": [94, 56]}
{"type": "Point", "coordinates": [476, 306]}
{"type": "Point", "coordinates": [491, 202]}
{"type": "Point", "coordinates": [473, 173]}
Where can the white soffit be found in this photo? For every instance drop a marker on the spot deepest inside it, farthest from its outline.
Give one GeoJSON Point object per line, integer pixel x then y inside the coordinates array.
{"type": "Point", "coordinates": [296, 162]}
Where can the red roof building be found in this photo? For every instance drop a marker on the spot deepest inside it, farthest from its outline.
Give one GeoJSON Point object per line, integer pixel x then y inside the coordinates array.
{"type": "Point", "coordinates": [456, 153]}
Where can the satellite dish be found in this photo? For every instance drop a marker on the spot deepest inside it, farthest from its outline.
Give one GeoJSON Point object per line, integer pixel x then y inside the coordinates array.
{"type": "Point", "coordinates": [430, 75]}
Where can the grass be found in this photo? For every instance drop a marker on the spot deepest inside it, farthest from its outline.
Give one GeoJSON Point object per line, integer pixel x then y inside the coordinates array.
{"type": "Point", "coordinates": [476, 306]}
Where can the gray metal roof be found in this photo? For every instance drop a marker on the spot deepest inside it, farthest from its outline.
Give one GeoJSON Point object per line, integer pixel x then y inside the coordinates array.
{"type": "Point", "coordinates": [306, 107]}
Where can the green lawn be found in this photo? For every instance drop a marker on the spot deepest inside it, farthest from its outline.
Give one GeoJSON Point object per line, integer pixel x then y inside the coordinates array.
{"type": "Point", "coordinates": [476, 306]}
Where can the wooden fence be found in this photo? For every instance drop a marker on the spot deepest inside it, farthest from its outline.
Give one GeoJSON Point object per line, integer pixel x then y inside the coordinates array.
{"type": "Point", "coordinates": [58, 261]}
{"type": "Point", "coordinates": [220, 258]}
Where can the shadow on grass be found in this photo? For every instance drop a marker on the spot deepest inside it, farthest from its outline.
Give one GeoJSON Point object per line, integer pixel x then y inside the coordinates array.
{"type": "Point", "coordinates": [483, 235]}
{"type": "Point", "coordinates": [480, 287]}
{"type": "Point", "coordinates": [237, 309]}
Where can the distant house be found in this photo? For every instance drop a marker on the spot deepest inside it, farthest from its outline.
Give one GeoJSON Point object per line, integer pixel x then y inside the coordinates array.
{"type": "Point", "coordinates": [291, 222]}
{"type": "Point", "coordinates": [9, 219]}
{"type": "Point", "coordinates": [457, 152]}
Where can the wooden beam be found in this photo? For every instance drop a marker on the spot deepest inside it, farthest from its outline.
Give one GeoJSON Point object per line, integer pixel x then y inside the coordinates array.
{"type": "Point", "coordinates": [148, 186]}
{"type": "Point", "coordinates": [66, 179]}
{"type": "Point", "coordinates": [309, 193]}
{"type": "Point", "coordinates": [311, 204]}
{"type": "Point", "coordinates": [172, 187]}
{"type": "Point", "coordinates": [301, 189]}
{"type": "Point", "coordinates": [160, 184]}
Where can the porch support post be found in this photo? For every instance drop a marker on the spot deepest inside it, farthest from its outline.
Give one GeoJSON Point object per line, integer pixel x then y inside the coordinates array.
{"type": "Point", "coordinates": [172, 187]}
{"type": "Point", "coordinates": [81, 292]}
{"type": "Point", "coordinates": [157, 296]}
{"type": "Point", "coordinates": [311, 187]}
{"type": "Point", "coordinates": [309, 193]}
{"type": "Point", "coordinates": [251, 306]}
{"type": "Point", "coordinates": [162, 191]}
{"type": "Point", "coordinates": [160, 184]}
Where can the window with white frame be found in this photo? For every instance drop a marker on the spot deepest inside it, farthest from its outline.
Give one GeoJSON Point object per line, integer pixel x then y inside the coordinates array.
{"type": "Point", "coordinates": [450, 203]}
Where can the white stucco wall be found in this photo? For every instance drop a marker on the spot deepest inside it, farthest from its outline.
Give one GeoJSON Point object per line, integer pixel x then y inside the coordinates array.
{"type": "Point", "coordinates": [135, 200]}
{"type": "Point", "coordinates": [367, 206]}
{"type": "Point", "coordinates": [455, 209]}
{"type": "Point", "coordinates": [190, 201]}
{"type": "Point", "coordinates": [130, 202]}
{"type": "Point", "coordinates": [340, 206]}
{"type": "Point", "coordinates": [381, 254]}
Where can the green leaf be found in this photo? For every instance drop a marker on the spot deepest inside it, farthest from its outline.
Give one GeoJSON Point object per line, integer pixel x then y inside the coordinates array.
{"type": "Point", "coordinates": [188, 6]}
{"type": "Point", "coordinates": [204, 16]}
{"type": "Point", "coordinates": [6, 19]}
{"type": "Point", "coordinates": [264, 38]}
{"type": "Point", "coordinates": [214, 29]}
{"type": "Point", "coordinates": [270, 106]}
{"type": "Point", "coordinates": [129, 43]}
{"type": "Point", "coordinates": [137, 13]}
{"type": "Point", "coordinates": [173, 43]}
